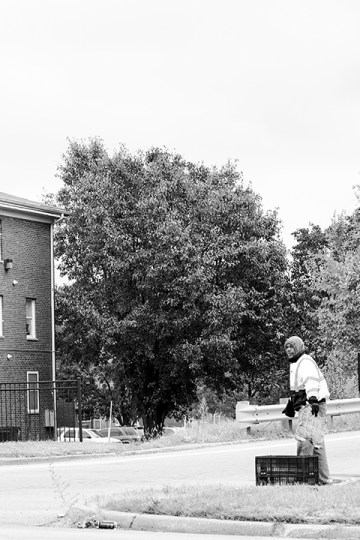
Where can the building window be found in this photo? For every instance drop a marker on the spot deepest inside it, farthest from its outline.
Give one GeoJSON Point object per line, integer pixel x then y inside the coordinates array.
{"type": "Point", "coordinates": [1, 316]}
{"type": "Point", "coordinates": [33, 392]}
{"type": "Point", "coordinates": [30, 319]}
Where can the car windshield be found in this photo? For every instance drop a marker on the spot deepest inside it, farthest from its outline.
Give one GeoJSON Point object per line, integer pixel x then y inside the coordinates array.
{"type": "Point", "coordinates": [129, 431]}
{"type": "Point", "coordinates": [90, 434]}
{"type": "Point", "coordinates": [104, 432]}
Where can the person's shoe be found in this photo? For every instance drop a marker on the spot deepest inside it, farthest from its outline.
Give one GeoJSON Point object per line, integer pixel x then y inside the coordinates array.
{"type": "Point", "coordinates": [332, 481]}
{"type": "Point", "coordinates": [327, 482]}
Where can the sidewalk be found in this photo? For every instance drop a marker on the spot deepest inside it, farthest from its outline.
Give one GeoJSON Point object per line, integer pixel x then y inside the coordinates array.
{"type": "Point", "coordinates": [156, 523]}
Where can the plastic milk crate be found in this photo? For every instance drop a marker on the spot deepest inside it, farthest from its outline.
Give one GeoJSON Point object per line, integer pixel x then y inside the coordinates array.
{"type": "Point", "coordinates": [286, 470]}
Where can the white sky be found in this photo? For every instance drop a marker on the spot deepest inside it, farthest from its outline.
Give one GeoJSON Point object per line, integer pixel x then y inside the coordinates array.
{"type": "Point", "coordinates": [274, 84]}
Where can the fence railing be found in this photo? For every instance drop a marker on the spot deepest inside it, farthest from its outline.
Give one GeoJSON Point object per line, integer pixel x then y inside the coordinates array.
{"type": "Point", "coordinates": [249, 415]}
{"type": "Point", "coordinates": [36, 410]}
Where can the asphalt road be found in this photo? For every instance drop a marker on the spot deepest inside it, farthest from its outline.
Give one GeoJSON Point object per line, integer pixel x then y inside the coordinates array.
{"type": "Point", "coordinates": [37, 533]}
{"type": "Point", "coordinates": [37, 494]}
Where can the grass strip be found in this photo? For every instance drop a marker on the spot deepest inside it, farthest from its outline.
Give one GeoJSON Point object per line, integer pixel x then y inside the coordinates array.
{"type": "Point", "coordinates": [339, 503]}
{"type": "Point", "coordinates": [199, 433]}
{"type": "Point", "coordinates": [205, 433]}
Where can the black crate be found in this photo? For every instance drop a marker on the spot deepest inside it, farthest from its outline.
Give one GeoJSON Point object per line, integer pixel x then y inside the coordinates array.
{"type": "Point", "coordinates": [286, 470]}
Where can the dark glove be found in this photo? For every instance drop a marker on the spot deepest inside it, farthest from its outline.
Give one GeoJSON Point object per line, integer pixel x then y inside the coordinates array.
{"type": "Point", "coordinates": [299, 399]}
{"type": "Point", "coordinates": [289, 409]}
{"type": "Point", "coordinates": [314, 404]}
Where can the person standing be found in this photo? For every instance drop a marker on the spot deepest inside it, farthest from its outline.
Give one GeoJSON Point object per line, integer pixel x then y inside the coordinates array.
{"type": "Point", "coordinates": [307, 386]}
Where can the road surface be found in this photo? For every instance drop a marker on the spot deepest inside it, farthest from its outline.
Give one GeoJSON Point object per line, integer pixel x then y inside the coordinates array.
{"type": "Point", "coordinates": [37, 494]}
{"type": "Point", "coordinates": [38, 533]}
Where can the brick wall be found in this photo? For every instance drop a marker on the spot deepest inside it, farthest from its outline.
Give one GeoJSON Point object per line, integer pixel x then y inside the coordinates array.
{"type": "Point", "coordinates": [28, 244]}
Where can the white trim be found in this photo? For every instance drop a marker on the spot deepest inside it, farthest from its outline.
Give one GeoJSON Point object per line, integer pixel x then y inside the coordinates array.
{"type": "Point", "coordinates": [32, 334]}
{"type": "Point", "coordinates": [1, 316]}
{"type": "Point", "coordinates": [28, 214]}
{"type": "Point", "coordinates": [1, 242]}
{"type": "Point", "coordinates": [36, 390]}
{"type": "Point", "coordinates": [53, 357]}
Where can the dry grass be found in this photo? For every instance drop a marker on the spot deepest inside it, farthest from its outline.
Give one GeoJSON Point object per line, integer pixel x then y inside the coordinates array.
{"type": "Point", "coordinates": [291, 504]}
{"type": "Point", "coordinates": [48, 449]}
{"type": "Point", "coordinates": [197, 433]}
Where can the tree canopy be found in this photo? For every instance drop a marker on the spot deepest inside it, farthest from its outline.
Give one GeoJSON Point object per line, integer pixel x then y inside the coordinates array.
{"type": "Point", "coordinates": [325, 286]}
{"type": "Point", "coordinates": [178, 277]}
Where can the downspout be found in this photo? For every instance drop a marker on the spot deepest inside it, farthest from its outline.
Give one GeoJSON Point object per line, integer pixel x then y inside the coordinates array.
{"type": "Point", "coordinates": [53, 364]}
{"type": "Point", "coordinates": [53, 358]}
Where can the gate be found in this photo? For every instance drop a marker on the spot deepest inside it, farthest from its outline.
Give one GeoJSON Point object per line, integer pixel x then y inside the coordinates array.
{"type": "Point", "coordinates": [38, 410]}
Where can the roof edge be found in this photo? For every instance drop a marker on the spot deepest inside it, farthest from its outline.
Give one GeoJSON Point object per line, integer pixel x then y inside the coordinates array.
{"type": "Point", "coordinates": [13, 203]}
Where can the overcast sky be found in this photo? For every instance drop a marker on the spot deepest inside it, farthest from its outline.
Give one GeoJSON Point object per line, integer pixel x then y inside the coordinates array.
{"type": "Point", "coordinates": [273, 84]}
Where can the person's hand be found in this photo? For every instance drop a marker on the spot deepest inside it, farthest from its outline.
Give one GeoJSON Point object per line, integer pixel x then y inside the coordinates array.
{"type": "Point", "coordinates": [314, 404]}
{"type": "Point", "coordinates": [289, 409]}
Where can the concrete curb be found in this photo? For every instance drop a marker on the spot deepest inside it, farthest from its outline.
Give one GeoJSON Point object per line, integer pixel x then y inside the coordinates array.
{"type": "Point", "coordinates": [156, 523]}
{"type": "Point", "coordinates": [50, 458]}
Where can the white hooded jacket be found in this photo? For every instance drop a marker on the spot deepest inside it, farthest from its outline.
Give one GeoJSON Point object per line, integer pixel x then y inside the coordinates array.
{"type": "Point", "coordinates": [306, 375]}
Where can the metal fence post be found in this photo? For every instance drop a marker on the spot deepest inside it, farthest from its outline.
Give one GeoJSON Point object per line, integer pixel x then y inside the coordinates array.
{"type": "Point", "coordinates": [79, 409]}
{"type": "Point", "coordinates": [55, 411]}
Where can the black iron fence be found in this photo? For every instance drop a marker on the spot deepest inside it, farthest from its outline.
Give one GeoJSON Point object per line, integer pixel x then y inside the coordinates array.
{"type": "Point", "coordinates": [39, 410]}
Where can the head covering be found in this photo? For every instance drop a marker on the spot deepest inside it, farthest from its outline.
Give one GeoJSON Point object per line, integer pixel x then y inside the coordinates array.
{"type": "Point", "coordinates": [297, 343]}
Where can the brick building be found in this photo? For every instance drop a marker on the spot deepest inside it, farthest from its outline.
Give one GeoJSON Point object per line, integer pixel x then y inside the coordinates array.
{"type": "Point", "coordinates": [27, 345]}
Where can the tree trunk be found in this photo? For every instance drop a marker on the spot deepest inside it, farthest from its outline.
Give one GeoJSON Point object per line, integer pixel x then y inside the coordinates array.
{"type": "Point", "coordinates": [153, 423]}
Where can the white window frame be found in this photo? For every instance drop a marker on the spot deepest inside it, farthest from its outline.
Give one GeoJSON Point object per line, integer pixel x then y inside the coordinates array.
{"type": "Point", "coordinates": [1, 316]}
{"type": "Point", "coordinates": [33, 392]}
{"type": "Point", "coordinates": [30, 319]}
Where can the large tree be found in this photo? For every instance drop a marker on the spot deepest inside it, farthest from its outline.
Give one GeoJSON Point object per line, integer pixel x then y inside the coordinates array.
{"type": "Point", "coordinates": [177, 274]}
{"type": "Point", "coordinates": [337, 282]}
{"type": "Point", "coordinates": [307, 258]}
{"type": "Point", "coordinates": [325, 298]}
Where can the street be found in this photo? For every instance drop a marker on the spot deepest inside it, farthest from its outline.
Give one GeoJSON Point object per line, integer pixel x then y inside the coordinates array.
{"type": "Point", "coordinates": [37, 533]}
{"type": "Point", "coordinates": [38, 493]}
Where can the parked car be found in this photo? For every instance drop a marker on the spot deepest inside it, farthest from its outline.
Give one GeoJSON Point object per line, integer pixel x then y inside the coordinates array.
{"type": "Point", "coordinates": [88, 435]}
{"type": "Point", "coordinates": [124, 434]}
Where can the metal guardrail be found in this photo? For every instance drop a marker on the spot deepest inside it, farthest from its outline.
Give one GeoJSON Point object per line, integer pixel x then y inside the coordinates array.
{"type": "Point", "coordinates": [254, 414]}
